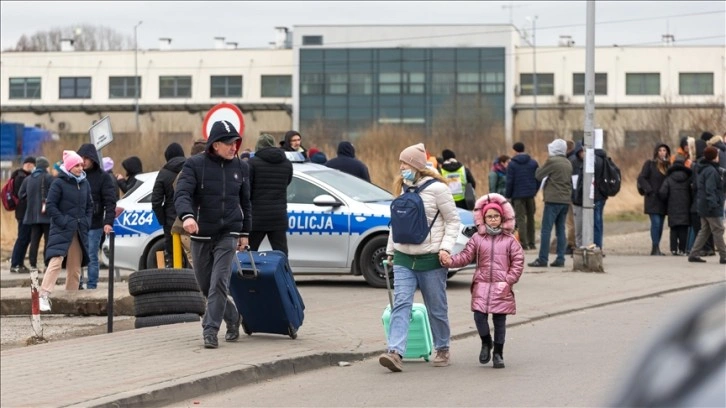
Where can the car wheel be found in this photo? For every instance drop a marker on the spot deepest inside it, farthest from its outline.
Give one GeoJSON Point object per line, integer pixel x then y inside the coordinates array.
{"type": "Point", "coordinates": [162, 303]}
{"type": "Point", "coordinates": [161, 320]}
{"type": "Point", "coordinates": [159, 245]}
{"type": "Point", "coordinates": [162, 280]}
{"type": "Point", "coordinates": [371, 262]}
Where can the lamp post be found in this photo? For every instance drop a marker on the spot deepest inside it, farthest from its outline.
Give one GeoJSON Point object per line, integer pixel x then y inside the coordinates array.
{"type": "Point", "coordinates": [534, 68]}
{"type": "Point", "coordinates": [136, 77]}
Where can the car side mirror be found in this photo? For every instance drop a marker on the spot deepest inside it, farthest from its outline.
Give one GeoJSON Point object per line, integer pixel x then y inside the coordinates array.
{"type": "Point", "coordinates": [326, 200]}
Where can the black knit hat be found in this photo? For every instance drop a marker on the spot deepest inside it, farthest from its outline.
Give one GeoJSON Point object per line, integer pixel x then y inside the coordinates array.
{"type": "Point", "coordinates": [29, 159]}
{"type": "Point", "coordinates": [222, 130]}
{"type": "Point", "coordinates": [706, 136]}
{"type": "Point", "coordinates": [447, 154]}
{"type": "Point", "coordinates": [518, 147]}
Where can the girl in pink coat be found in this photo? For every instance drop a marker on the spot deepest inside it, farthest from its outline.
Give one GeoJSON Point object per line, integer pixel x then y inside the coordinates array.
{"type": "Point", "coordinates": [499, 263]}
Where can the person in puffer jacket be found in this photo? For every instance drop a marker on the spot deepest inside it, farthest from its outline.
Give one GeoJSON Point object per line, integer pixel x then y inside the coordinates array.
{"type": "Point", "coordinates": [499, 264]}
{"type": "Point", "coordinates": [421, 265]}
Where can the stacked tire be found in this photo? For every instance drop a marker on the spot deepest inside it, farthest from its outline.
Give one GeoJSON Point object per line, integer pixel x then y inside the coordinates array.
{"type": "Point", "coordinates": [165, 296]}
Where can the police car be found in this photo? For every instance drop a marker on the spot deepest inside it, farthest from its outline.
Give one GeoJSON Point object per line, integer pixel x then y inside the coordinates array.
{"type": "Point", "coordinates": [337, 224]}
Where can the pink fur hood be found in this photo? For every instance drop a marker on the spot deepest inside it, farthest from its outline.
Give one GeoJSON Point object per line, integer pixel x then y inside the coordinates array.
{"type": "Point", "coordinates": [507, 217]}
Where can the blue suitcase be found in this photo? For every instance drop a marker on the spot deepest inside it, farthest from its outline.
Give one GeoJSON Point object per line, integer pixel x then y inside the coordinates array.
{"type": "Point", "coordinates": [265, 293]}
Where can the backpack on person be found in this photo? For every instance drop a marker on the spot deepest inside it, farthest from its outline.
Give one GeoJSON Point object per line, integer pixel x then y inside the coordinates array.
{"type": "Point", "coordinates": [609, 183]}
{"type": "Point", "coordinates": [9, 199]}
{"type": "Point", "coordinates": [409, 224]}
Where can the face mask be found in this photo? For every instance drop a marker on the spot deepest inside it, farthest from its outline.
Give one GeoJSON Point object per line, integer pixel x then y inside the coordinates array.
{"type": "Point", "coordinates": [493, 231]}
{"type": "Point", "coordinates": [407, 174]}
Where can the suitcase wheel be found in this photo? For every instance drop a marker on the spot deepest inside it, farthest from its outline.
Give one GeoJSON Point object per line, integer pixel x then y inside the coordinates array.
{"type": "Point", "coordinates": [292, 332]}
{"type": "Point", "coordinates": [246, 329]}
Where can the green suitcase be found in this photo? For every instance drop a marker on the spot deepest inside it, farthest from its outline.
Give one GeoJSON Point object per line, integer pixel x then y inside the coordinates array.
{"type": "Point", "coordinates": [420, 342]}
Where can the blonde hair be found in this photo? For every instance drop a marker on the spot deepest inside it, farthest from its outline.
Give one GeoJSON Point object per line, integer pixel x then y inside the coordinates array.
{"type": "Point", "coordinates": [427, 172]}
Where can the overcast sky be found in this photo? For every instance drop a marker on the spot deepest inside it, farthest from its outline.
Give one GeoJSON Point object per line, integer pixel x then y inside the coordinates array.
{"type": "Point", "coordinates": [194, 24]}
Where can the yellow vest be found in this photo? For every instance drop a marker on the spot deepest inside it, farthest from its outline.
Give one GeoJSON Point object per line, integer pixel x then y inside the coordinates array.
{"type": "Point", "coordinates": [457, 181]}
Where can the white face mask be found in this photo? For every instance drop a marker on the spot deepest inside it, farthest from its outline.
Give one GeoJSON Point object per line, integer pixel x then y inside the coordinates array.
{"type": "Point", "coordinates": [408, 174]}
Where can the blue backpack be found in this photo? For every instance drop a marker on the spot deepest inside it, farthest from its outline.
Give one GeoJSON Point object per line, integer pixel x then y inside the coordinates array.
{"type": "Point", "coordinates": [408, 216]}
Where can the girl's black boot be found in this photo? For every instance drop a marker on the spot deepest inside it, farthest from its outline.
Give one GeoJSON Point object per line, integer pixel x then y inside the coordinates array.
{"type": "Point", "coordinates": [486, 349]}
{"type": "Point", "coordinates": [498, 357]}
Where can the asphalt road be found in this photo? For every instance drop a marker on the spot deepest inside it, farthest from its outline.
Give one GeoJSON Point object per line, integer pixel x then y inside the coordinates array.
{"type": "Point", "coordinates": [569, 360]}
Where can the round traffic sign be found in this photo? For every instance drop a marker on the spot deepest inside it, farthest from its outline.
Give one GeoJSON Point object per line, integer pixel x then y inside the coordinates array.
{"type": "Point", "coordinates": [223, 111]}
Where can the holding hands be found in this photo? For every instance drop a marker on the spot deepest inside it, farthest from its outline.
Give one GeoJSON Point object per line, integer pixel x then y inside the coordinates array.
{"type": "Point", "coordinates": [444, 258]}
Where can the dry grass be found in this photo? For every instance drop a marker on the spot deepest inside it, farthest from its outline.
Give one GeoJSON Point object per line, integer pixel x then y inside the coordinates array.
{"type": "Point", "coordinates": [379, 149]}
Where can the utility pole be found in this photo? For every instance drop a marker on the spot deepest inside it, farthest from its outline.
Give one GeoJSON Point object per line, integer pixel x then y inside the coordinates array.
{"type": "Point", "coordinates": [534, 68]}
{"type": "Point", "coordinates": [511, 8]}
{"type": "Point", "coordinates": [589, 160]}
{"type": "Point", "coordinates": [136, 77]}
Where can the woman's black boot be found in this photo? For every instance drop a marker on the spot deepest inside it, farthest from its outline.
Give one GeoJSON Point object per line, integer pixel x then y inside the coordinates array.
{"type": "Point", "coordinates": [655, 251]}
{"type": "Point", "coordinates": [498, 357]}
{"type": "Point", "coordinates": [486, 349]}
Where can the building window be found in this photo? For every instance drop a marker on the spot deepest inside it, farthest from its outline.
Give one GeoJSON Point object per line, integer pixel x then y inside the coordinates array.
{"type": "Point", "coordinates": [545, 84]}
{"type": "Point", "coordinates": [467, 83]}
{"type": "Point", "coordinates": [175, 87]}
{"type": "Point", "coordinates": [601, 84]}
{"type": "Point", "coordinates": [24, 88]}
{"type": "Point", "coordinates": [642, 84]}
{"type": "Point", "coordinates": [123, 87]}
{"type": "Point", "coordinates": [493, 83]}
{"type": "Point", "coordinates": [312, 40]}
{"type": "Point", "coordinates": [337, 84]}
{"type": "Point", "coordinates": [414, 83]}
{"type": "Point", "coordinates": [276, 86]}
{"type": "Point", "coordinates": [312, 84]}
{"type": "Point", "coordinates": [360, 84]}
{"type": "Point", "coordinates": [443, 83]}
{"type": "Point", "coordinates": [695, 83]}
{"type": "Point", "coordinates": [389, 82]}
{"type": "Point", "coordinates": [226, 86]}
{"type": "Point", "coordinates": [638, 138]}
{"type": "Point", "coordinates": [74, 87]}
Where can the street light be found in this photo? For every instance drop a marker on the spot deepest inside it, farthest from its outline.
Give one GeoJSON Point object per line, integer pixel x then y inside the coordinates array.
{"type": "Point", "coordinates": [534, 68]}
{"type": "Point", "coordinates": [136, 77]}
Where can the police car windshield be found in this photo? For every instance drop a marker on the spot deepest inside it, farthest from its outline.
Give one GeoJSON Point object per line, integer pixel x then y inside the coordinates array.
{"type": "Point", "coordinates": [353, 187]}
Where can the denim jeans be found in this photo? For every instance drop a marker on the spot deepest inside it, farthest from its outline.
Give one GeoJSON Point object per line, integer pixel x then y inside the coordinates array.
{"type": "Point", "coordinates": [656, 228]}
{"type": "Point", "coordinates": [597, 231]}
{"type": "Point", "coordinates": [433, 289]}
{"type": "Point", "coordinates": [21, 245]}
{"type": "Point", "coordinates": [554, 214]}
{"type": "Point", "coordinates": [94, 240]}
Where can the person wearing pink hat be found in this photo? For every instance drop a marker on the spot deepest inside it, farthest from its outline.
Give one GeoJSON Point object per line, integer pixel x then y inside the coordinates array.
{"type": "Point", "coordinates": [421, 265]}
{"type": "Point", "coordinates": [499, 264]}
{"type": "Point", "coordinates": [70, 206]}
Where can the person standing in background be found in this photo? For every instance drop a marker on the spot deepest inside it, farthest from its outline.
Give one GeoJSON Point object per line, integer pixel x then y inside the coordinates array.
{"type": "Point", "coordinates": [17, 259]}
{"type": "Point", "coordinates": [498, 175]}
{"type": "Point", "coordinates": [35, 191]}
{"type": "Point", "coordinates": [133, 166]}
{"type": "Point", "coordinates": [521, 188]}
{"type": "Point", "coordinates": [293, 143]}
{"type": "Point", "coordinates": [103, 194]}
{"type": "Point", "coordinates": [162, 196]}
{"type": "Point", "coordinates": [270, 174]}
{"type": "Point", "coordinates": [650, 179]}
{"type": "Point", "coordinates": [348, 163]}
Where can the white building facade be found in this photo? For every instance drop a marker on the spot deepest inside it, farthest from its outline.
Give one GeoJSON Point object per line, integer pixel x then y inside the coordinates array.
{"type": "Point", "coordinates": [349, 78]}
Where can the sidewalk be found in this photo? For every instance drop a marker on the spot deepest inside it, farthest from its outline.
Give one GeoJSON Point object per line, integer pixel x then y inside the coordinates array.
{"type": "Point", "coordinates": [162, 365]}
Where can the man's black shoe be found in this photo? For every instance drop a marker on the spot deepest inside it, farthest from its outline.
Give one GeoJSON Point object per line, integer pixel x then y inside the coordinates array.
{"type": "Point", "coordinates": [210, 341]}
{"type": "Point", "coordinates": [722, 261]}
{"type": "Point", "coordinates": [537, 263]}
{"type": "Point", "coordinates": [233, 331]}
{"type": "Point", "coordinates": [532, 246]}
{"type": "Point", "coordinates": [696, 259]}
{"type": "Point", "coordinates": [557, 264]}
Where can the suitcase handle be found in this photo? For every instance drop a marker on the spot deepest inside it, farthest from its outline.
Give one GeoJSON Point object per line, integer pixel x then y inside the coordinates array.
{"type": "Point", "coordinates": [388, 283]}
{"type": "Point", "coordinates": [240, 270]}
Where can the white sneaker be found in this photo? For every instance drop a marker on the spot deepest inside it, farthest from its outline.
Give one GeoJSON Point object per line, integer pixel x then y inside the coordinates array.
{"type": "Point", "coordinates": [44, 304]}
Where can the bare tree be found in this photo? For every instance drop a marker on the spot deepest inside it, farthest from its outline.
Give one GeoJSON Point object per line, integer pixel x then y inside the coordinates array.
{"type": "Point", "coordinates": [86, 37]}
